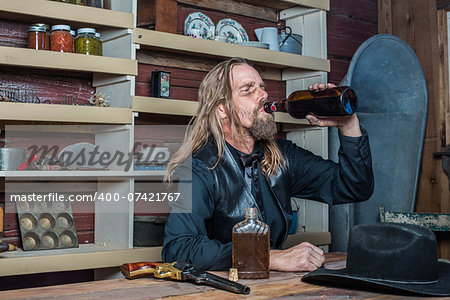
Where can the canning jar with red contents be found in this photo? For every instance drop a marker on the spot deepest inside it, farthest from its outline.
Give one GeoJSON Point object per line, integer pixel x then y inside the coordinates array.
{"type": "Point", "coordinates": [39, 37]}
{"type": "Point", "coordinates": [61, 39]}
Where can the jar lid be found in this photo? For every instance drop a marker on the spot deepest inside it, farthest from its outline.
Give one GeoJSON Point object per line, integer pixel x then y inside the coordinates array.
{"type": "Point", "coordinates": [47, 28]}
{"type": "Point", "coordinates": [72, 32]}
{"type": "Point", "coordinates": [37, 29]}
{"type": "Point", "coordinates": [86, 30]}
{"type": "Point", "coordinates": [61, 27]}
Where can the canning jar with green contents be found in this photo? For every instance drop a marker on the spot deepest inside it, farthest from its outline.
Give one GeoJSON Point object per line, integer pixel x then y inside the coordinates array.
{"type": "Point", "coordinates": [99, 44]}
{"type": "Point", "coordinates": [86, 41]}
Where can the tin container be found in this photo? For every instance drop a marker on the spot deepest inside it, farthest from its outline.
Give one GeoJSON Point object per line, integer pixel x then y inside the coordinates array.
{"type": "Point", "coordinates": [160, 84]}
{"type": "Point", "coordinates": [11, 158]}
{"type": "Point", "coordinates": [46, 225]}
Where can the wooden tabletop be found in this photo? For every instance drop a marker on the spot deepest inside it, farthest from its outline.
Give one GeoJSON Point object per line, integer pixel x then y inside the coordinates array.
{"type": "Point", "coordinates": [285, 285]}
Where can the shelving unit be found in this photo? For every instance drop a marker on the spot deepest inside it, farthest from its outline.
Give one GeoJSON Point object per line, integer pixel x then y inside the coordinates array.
{"type": "Point", "coordinates": [114, 75]}
{"type": "Point", "coordinates": [188, 108]}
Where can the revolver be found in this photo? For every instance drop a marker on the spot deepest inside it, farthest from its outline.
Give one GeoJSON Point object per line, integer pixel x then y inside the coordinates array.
{"type": "Point", "coordinates": [184, 272]}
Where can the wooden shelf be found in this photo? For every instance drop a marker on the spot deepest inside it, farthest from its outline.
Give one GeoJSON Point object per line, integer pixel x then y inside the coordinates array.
{"type": "Point", "coordinates": [285, 4]}
{"type": "Point", "coordinates": [184, 44]}
{"type": "Point", "coordinates": [41, 59]}
{"type": "Point", "coordinates": [64, 113]}
{"type": "Point", "coordinates": [189, 108]}
{"type": "Point", "coordinates": [89, 256]}
{"type": "Point", "coordinates": [79, 175]}
{"type": "Point", "coordinates": [42, 11]}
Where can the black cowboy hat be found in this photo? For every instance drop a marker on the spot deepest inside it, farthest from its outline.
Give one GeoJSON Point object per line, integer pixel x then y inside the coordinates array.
{"type": "Point", "coordinates": [397, 257]}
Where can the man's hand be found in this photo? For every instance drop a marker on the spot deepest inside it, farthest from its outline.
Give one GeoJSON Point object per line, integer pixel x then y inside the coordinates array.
{"type": "Point", "coordinates": [347, 125]}
{"type": "Point", "coordinates": [302, 257]}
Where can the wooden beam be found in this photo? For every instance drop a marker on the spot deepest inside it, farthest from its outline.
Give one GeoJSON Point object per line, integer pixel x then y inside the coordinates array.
{"type": "Point", "coordinates": [239, 8]}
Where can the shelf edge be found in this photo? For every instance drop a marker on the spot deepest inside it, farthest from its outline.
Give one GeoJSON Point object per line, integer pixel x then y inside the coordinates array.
{"type": "Point", "coordinates": [68, 12]}
{"type": "Point", "coordinates": [41, 59]}
{"type": "Point", "coordinates": [180, 43]}
{"type": "Point", "coordinates": [97, 258]}
{"type": "Point", "coordinates": [189, 108]}
{"type": "Point", "coordinates": [64, 113]}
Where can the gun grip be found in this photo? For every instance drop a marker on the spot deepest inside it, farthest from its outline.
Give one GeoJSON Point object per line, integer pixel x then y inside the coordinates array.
{"type": "Point", "coordinates": [137, 270]}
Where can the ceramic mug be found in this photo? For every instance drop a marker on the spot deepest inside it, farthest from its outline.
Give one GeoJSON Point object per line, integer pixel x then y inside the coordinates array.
{"type": "Point", "coordinates": [268, 35]}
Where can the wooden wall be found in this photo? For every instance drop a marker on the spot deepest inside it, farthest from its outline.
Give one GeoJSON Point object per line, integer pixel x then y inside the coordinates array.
{"type": "Point", "coordinates": [349, 24]}
{"type": "Point", "coordinates": [424, 28]}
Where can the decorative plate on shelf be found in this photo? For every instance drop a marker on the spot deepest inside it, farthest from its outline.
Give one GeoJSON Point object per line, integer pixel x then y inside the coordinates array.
{"type": "Point", "coordinates": [231, 29]}
{"type": "Point", "coordinates": [198, 25]}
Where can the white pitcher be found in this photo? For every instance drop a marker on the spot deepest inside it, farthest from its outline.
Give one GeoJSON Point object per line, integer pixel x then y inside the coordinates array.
{"type": "Point", "coordinates": [268, 35]}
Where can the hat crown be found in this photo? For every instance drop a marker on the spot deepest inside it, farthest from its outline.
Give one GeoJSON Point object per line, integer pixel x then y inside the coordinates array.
{"type": "Point", "coordinates": [393, 252]}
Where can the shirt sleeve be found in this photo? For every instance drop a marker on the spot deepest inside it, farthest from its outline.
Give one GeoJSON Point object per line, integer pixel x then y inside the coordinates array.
{"type": "Point", "coordinates": [186, 236]}
{"type": "Point", "coordinates": [349, 180]}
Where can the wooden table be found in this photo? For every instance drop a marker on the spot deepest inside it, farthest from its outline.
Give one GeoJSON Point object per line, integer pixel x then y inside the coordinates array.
{"type": "Point", "coordinates": [283, 285]}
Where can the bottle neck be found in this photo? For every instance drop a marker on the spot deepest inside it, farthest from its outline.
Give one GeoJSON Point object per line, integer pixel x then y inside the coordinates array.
{"type": "Point", "coordinates": [270, 107]}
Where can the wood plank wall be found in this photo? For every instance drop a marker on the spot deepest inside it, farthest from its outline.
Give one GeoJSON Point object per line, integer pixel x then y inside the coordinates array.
{"type": "Point", "coordinates": [421, 25]}
{"type": "Point", "coordinates": [349, 24]}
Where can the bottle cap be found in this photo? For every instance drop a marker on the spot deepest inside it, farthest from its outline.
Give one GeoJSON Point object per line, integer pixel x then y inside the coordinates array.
{"type": "Point", "coordinates": [86, 30]}
{"type": "Point", "coordinates": [37, 29]}
{"type": "Point", "coordinates": [61, 27]}
{"type": "Point", "coordinates": [45, 26]}
{"type": "Point", "coordinates": [251, 212]}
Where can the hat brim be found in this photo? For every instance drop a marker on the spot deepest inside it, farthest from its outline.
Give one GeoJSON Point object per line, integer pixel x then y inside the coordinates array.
{"type": "Point", "coordinates": [340, 277]}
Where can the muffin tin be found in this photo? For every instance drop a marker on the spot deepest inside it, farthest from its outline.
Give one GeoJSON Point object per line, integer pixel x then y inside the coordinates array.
{"type": "Point", "coordinates": [46, 225]}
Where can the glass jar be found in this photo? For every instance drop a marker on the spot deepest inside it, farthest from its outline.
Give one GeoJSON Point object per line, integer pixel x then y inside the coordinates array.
{"type": "Point", "coordinates": [94, 3]}
{"type": "Point", "coordinates": [61, 39]}
{"type": "Point", "coordinates": [98, 44]}
{"type": "Point", "coordinates": [39, 37]}
{"type": "Point", "coordinates": [74, 42]}
{"type": "Point", "coordinates": [86, 41]}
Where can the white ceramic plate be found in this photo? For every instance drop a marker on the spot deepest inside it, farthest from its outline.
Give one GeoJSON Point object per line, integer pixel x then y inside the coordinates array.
{"type": "Point", "coordinates": [231, 29]}
{"type": "Point", "coordinates": [255, 44]}
{"type": "Point", "coordinates": [78, 155]}
{"type": "Point", "coordinates": [198, 25]}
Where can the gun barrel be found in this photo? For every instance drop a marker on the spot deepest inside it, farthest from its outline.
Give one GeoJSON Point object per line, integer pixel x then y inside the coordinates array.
{"type": "Point", "coordinates": [220, 283]}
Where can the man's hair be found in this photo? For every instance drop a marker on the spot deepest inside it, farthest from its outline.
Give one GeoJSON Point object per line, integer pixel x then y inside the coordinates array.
{"type": "Point", "coordinates": [216, 88]}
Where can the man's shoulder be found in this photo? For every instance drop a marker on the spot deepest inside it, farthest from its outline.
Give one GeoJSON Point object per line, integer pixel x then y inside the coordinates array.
{"type": "Point", "coordinates": [206, 155]}
{"type": "Point", "coordinates": [285, 145]}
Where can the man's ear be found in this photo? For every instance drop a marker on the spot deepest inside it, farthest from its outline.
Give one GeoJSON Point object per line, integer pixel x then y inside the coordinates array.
{"type": "Point", "coordinates": [222, 111]}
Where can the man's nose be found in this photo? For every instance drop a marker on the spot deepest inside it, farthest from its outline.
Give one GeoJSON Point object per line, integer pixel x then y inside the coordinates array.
{"type": "Point", "coordinates": [263, 95]}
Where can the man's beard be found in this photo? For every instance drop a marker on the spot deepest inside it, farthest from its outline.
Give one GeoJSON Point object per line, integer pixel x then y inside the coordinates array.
{"type": "Point", "coordinates": [263, 127]}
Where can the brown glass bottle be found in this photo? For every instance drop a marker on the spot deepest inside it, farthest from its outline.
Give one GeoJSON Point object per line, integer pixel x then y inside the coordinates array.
{"type": "Point", "coordinates": [337, 101]}
{"type": "Point", "coordinates": [251, 247]}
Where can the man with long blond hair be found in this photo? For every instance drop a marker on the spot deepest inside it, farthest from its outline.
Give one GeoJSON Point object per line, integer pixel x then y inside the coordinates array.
{"type": "Point", "coordinates": [235, 162]}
